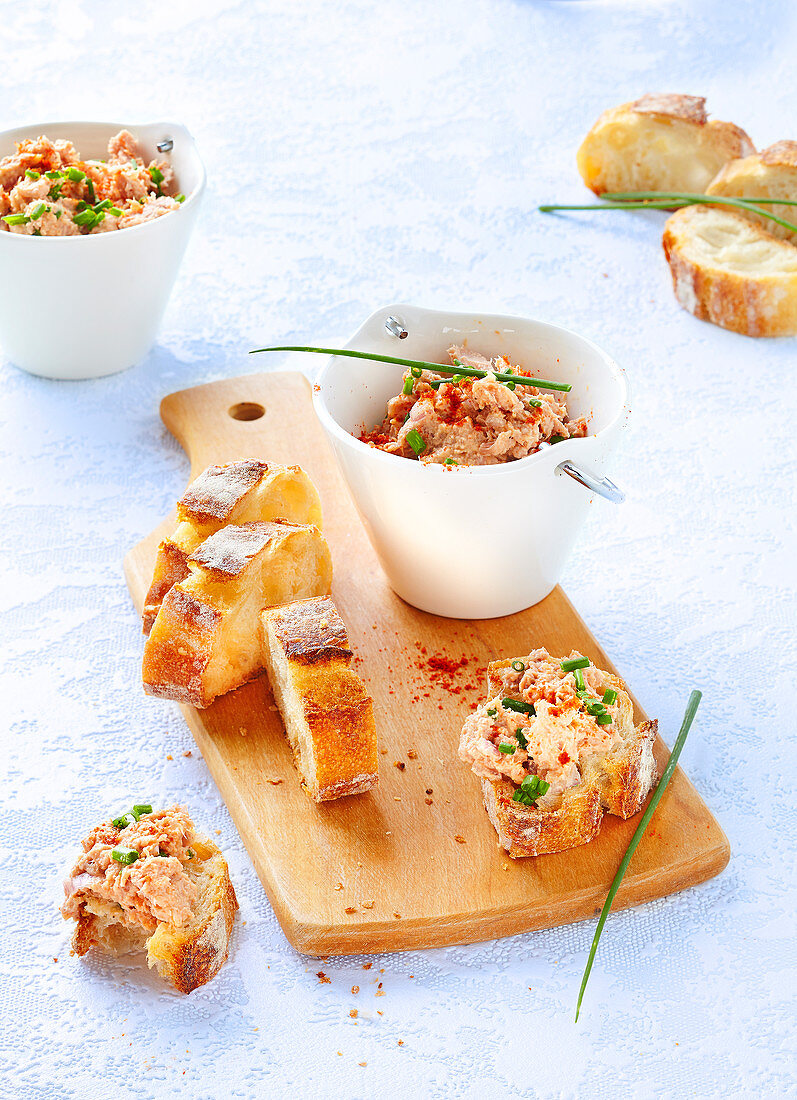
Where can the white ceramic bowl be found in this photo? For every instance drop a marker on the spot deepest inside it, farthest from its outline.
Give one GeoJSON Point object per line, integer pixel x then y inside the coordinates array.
{"type": "Point", "coordinates": [81, 307]}
{"type": "Point", "coordinates": [473, 542]}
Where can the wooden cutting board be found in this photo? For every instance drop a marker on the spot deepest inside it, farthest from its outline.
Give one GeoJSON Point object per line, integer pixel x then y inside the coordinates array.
{"type": "Point", "coordinates": [415, 863]}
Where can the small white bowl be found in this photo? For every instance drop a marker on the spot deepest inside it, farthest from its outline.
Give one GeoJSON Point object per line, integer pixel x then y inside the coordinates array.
{"type": "Point", "coordinates": [85, 306]}
{"type": "Point", "coordinates": [471, 542]}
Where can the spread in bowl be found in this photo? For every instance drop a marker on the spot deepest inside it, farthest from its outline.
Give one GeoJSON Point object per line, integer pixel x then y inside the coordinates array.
{"type": "Point", "coordinates": [462, 420]}
{"type": "Point", "coordinates": [47, 190]}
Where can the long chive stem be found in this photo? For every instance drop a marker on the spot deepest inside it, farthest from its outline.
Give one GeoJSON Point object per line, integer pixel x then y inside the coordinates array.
{"type": "Point", "coordinates": [667, 200]}
{"type": "Point", "coordinates": [666, 775]}
{"type": "Point", "coordinates": [440, 368]}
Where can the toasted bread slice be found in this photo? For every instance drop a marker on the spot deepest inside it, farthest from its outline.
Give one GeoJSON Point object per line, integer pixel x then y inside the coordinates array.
{"type": "Point", "coordinates": [188, 953]}
{"type": "Point", "coordinates": [328, 714]}
{"type": "Point", "coordinates": [591, 768]}
{"type": "Point", "coordinates": [240, 492]}
{"type": "Point", "coordinates": [658, 143]}
{"type": "Point", "coordinates": [206, 637]}
{"type": "Point", "coordinates": [727, 270]}
{"type": "Point", "coordinates": [768, 175]}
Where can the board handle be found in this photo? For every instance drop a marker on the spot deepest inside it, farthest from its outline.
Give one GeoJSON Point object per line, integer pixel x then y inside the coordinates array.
{"type": "Point", "coordinates": [226, 422]}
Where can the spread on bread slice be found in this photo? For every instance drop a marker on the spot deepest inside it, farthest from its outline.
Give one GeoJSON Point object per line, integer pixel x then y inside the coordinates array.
{"type": "Point", "coordinates": [327, 712]}
{"type": "Point", "coordinates": [205, 640]}
{"type": "Point", "coordinates": [730, 271]}
{"type": "Point", "coordinates": [555, 747]}
{"type": "Point", "coordinates": [771, 174]}
{"type": "Point", "coordinates": [239, 492]}
{"type": "Point", "coordinates": [149, 881]}
{"type": "Point", "coordinates": [658, 143]}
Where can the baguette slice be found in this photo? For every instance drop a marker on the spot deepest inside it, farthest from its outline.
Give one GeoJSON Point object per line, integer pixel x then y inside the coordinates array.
{"type": "Point", "coordinates": [617, 781]}
{"type": "Point", "coordinates": [328, 714]}
{"type": "Point", "coordinates": [768, 175]}
{"type": "Point", "coordinates": [658, 143]}
{"type": "Point", "coordinates": [205, 639]}
{"type": "Point", "coordinates": [727, 270]}
{"type": "Point", "coordinates": [189, 954]}
{"type": "Point", "coordinates": [240, 492]}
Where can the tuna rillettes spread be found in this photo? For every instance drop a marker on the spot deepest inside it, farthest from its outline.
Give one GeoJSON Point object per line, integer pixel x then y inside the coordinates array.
{"type": "Point", "coordinates": [467, 421]}
{"type": "Point", "coordinates": [47, 190]}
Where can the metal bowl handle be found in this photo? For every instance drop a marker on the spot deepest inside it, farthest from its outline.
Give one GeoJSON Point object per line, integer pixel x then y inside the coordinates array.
{"type": "Point", "coordinates": [600, 485]}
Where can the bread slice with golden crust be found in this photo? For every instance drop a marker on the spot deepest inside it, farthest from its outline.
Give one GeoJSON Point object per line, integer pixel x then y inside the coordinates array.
{"type": "Point", "coordinates": [771, 174]}
{"type": "Point", "coordinates": [609, 772]}
{"type": "Point", "coordinates": [658, 143]}
{"type": "Point", "coordinates": [728, 270]}
{"type": "Point", "coordinates": [115, 918]}
{"type": "Point", "coordinates": [205, 640]}
{"type": "Point", "coordinates": [328, 714]}
{"type": "Point", "coordinates": [239, 492]}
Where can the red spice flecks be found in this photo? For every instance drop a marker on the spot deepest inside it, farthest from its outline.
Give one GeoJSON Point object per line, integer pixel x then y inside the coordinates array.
{"type": "Point", "coordinates": [564, 758]}
{"type": "Point", "coordinates": [446, 664]}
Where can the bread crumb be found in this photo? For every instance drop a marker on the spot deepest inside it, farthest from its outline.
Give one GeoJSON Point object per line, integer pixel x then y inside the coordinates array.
{"type": "Point", "coordinates": [362, 1063]}
{"type": "Point", "coordinates": [401, 1042]}
{"type": "Point", "coordinates": [388, 833]}
{"type": "Point", "coordinates": [349, 909]}
{"type": "Point", "coordinates": [367, 905]}
{"type": "Point", "coordinates": [242, 731]}
{"type": "Point", "coordinates": [429, 801]}
{"type": "Point", "coordinates": [323, 979]}
{"type": "Point", "coordinates": [383, 751]}
{"type": "Point", "coordinates": [170, 757]}
{"type": "Point", "coordinates": [338, 885]}
{"type": "Point", "coordinates": [340, 1052]}
{"type": "Point", "coordinates": [397, 916]}
{"type": "Point", "coordinates": [353, 1014]}
{"type": "Point", "coordinates": [412, 754]}
{"type": "Point", "coordinates": [276, 781]}
{"type": "Point", "coordinates": [218, 832]}
{"type": "Point", "coordinates": [355, 990]}
{"type": "Point", "coordinates": [377, 1012]}
{"type": "Point", "coordinates": [188, 753]}
{"type": "Point", "coordinates": [429, 790]}
{"type": "Point", "coordinates": [367, 966]}
{"type": "Point", "coordinates": [379, 993]}
{"type": "Point", "coordinates": [459, 839]}
{"type": "Point", "coordinates": [399, 764]}
{"type": "Point", "coordinates": [397, 798]}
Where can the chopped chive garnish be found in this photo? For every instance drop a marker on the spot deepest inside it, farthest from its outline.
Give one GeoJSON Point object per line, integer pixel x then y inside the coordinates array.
{"type": "Point", "coordinates": [573, 663]}
{"type": "Point", "coordinates": [521, 739]}
{"type": "Point", "coordinates": [578, 676]}
{"type": "Point", "coordinates": [75, 174]}
{"type": "Point", "coordinates": [180, 197]}
{"type": "Point", "coordinates": [37, 232]}
{"type": "Point", "coordinates": [82, 205]}
{"type": "Point", "coordinates": [408, 384]}
{"type": "Point", "coordinates": [141, 808]}
{"type": "Point", "coordinates": [32, 174]}
{"type": "Point", "coordinates": [125, 856]}
{"type": "Point", "coordinates": [191, 853]}
{"type": "Point", "coordinates": [16, 219]}
{"type": "Point", "coordinates": [518, 666]}
{"type": "Point", "coordinates": [603, 719]}
{"type": "Point", "coordinates": [162, 852]}
{"type": "Point", "coordinates": [557, 439]}
{"type": "Point", "coordinates": [530, 790]}
{"type": "Point", "coordinates": [509, 385]}
{"type": "Point", "coordinates": [451, 462]}
{"type": "Point", "coordinates": [156, 175]}
{"type": "Point", "coordinates": [438, 368]}
{"type": "Point", "coordinates": [102, 205]}
{"type": "Point", "coordinates": [58, 214]}
{"type": "Point", "coordinates": [691, 710]}
{"type": "Point", "coordinates": [37, 212]}
{"type": "Point", "coordinates": [86, 218]}
{"type": "Point", "coordinates": [492, 712]}
{"type": "Point", "coordinates": [518, 706]}
{"type": "Point", "coordinates": [506, 747]}
{"type": "Point", "coordinates": [121, 822]}
{"type": "Point", "coordinates": [55, 192]}
{"type": "Point", "coordinates": [91, 191]}
{"type": "Point", "coordinates": [54, 175]}
{"type": "Point", "coordinates": [117, 213]}
{"type": "Point", "coordinates": [416, 372]}
{"type": "Point", "coordinates": [416, 441]}
{"type": "Point", "coordinates": [609, 696]}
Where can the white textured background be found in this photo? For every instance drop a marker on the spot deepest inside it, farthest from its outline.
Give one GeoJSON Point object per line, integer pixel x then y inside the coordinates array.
{"type": "Point", "coordinates": [361, 153]}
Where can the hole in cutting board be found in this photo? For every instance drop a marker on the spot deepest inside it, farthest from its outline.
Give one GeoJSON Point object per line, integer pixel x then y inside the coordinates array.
{"type": "Point", "coordinates": [246, 410]}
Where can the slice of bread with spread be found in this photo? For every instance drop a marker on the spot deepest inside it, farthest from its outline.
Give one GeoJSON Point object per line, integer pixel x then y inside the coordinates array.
{"type": "Point", "coordinates": [150, 882]}
{"type": "Point", "coordinates": [728, 270]}
{"type": "Point", "coordinates": [658, 143]}
{"type": "Point", "coordinates": [771, 174]}
{"type": "Point", "coordinates": [328, 714]}
{"type": "Point", "coordinates": [205, 640]}
{"type": "Point", "coordinates": [239, 492]}
{"type": "Point", "coordinates": [555, 748]}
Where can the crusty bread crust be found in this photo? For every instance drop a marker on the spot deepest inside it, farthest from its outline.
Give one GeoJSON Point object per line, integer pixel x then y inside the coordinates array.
{"type": "Point", "coordinates": [618, 784]}
{"type": "Point", "coordinates": [187, 957]}
{"type": "Point", "coordinates": [237, 493]}
{"type": "Point", "coordinates": [205, 640]}
{"type": "Point", "coordinates": [771, 174]}
{"type": "Point", "coordinates": [728, 270]}
{"type": "Point", "coordinates": [328, 713]}
{"type": "Point", "coordinates": [658, 143]}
